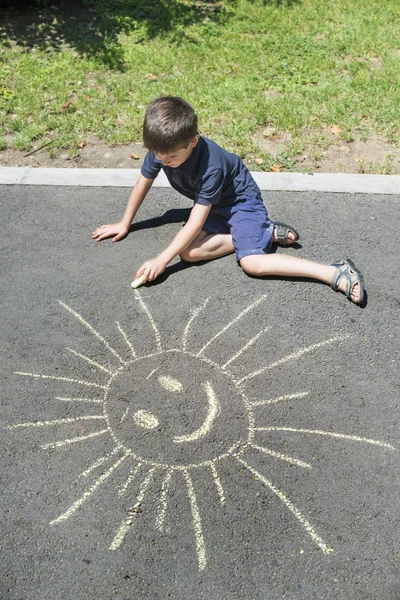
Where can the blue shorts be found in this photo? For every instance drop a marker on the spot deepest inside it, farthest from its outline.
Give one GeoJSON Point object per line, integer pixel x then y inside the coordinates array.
{"type": "Point", "coordinates": [247, 222]}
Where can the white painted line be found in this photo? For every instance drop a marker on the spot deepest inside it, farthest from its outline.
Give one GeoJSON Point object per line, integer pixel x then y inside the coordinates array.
{"type": "Point", "coordinates": [93, 330]}
{"type": "Point", "coordinates": [293, 356]}
{"type": "Point", "coordinates": [195, 314]}
{"type": "Point", "coordinates": [92, 362]}
{"type": "Point", "coordinates": [293, 182]}
{"type": "Point", "coordinates": [279, 399]}
{"type": "Point", "coordinates": [57, 422]}
{"type": "Point", "coordinates": [289, 459]}
{"type": "Point", "coordinates": [88, 492]}
{"type": "Point", "coordinates": [218, 484]}
{"type": "Point", "coordinates": [162, 507]}
{"type": "Point", "coordinates": [293, 509]}
{"type": "Point", "coordinates": [127, 340]}
{"type": "Point", "coordinates": [152, 321]}
{"type": "Point", "coordinates": [129, 480]}
{"type": "Point", "coordinates": [200, 547]}
{"type": "Point", "coordinates": [343, 436]}
{"type": "Point", "coordinates": [74, 440]}
{"type": "Point", "coordinates": [244, 348]}
{"type": "Point", "coordinates": [125, 525]}
{"type": "Point", "coordinates": [37, 375]}
{"type": "Point", "coordinates": [99, 462]}
{"type": "Point", "coordinates": [242, 314]}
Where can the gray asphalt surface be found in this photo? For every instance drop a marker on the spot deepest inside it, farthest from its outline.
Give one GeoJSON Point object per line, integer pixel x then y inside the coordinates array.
{"type": "Point", "coordinates": [216, 466]}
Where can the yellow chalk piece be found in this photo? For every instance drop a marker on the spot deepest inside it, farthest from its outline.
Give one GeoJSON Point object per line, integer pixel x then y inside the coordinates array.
{"type": "Point", "coordinates": [138, 282]}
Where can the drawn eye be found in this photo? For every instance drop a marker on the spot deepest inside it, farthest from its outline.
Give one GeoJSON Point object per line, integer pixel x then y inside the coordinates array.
{"type": "Point", "coordinates": [170, 383]}
{"type": "Point", "coordinates": [145, 419]}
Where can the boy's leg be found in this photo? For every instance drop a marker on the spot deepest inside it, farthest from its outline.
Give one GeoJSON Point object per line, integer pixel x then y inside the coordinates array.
{"type": "Point", "coordinates": [292, 266]}
{"type": "Point", "coordinates": [207, 246]}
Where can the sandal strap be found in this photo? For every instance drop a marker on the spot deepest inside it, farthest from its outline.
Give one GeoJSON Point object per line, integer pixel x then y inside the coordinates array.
{"type": "Point", "coordinates": [336, 277]}
{"type": "Point", "coordinates": [347, 270]}
{"type": "Point", "coordinates": [282, 230]}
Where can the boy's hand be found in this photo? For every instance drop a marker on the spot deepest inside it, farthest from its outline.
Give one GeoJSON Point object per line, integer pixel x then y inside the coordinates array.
{"type": "Point", "coordinates": [119, 230]}
{"type": "Point", "coordinates": [151, 269]}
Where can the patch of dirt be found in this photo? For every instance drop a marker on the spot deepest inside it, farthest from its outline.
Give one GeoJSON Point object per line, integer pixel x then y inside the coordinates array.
{"type": "Point", "coordinates": [95, 154]}
{"type": "Point", "coordinates": [331, 154]}
{"type": "Point", "coordinates": [334, 155]}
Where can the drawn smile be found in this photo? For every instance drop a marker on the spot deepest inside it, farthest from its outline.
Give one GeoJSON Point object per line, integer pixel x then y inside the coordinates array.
{"type": "Point", "coordinates": [148, 420]}
{"type": "Point", "coordinates": [213, 411]}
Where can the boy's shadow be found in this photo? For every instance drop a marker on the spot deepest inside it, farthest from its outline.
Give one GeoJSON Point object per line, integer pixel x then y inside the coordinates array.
{"type": "Point", "coordinates": [174, 215]}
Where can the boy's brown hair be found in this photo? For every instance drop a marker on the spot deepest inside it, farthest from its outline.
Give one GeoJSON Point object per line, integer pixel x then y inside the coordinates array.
{"type": "Point", "coordinates": [170, 123]}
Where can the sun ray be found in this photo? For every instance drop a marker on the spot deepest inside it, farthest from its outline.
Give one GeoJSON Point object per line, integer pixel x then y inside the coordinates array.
{"type": "Point", "coordinates": [297, 354]}
{"type": "Point", "coordinates": [125, 525]}
{"type": "Point", "coordinates": [74, 507]}
{"type": "Point", "coordinates": [200, 547]}
{"type": "Point", "coordinates": [162, 507]}
{"type": "Point", "coordinates": [92, 362]}
{"type": "Point", "coordinates": [152, 321]}
{"type": "Point", "coordinates": [74, 440]}
{"type": "Point", "coordinates": [93, 400]}
{"type": "Point", "coordinates": [289, 459]}
{"type": "Point", "coordinates": [127, 340]}
{"type": "Point", "coordinates": [279, 399]}
{"type": "Point", "coordinates": [244, 348]}
{"type": "Point", "coordinates": [293, 509]}
{"type": "Point", "coordinates": [93, 330]}
{"type": "Point", "coordinates": [57, 422]}
{"type": "Point", "coordinates": [218, 484]}
{"type": "Point", "coordinates": [194, 316]}
{"type": "Point", "coordinates": [343, 436]}
{"type": "Point", "coordinates": [57, 378]}
{"type": "Point", "coordinates": [240, 316]}
{"type": "Point", "coordinates": [129, 480]}
{"type": "Point", "coordinates": [99, 462]}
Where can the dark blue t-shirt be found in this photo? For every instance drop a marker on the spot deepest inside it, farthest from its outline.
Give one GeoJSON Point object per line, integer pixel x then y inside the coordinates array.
{"type": "Point", "coordinates": [210, 176]}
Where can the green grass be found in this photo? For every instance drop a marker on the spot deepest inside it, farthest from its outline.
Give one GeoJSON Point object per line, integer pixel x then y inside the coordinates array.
{"type": "Point", "coordinates": [298, 65]}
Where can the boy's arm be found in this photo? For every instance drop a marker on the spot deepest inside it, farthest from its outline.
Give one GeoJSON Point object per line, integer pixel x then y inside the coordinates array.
{"type": "Point", "coordinates": [151, 269]}
{"type": "Point", "coordinates": [121, 229]}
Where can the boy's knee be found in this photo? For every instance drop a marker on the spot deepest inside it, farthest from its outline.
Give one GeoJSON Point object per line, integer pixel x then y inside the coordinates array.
{"type": "Point", "coordinates": [188, 256]}
{"type": "Point", "coordinates": [250, 265]}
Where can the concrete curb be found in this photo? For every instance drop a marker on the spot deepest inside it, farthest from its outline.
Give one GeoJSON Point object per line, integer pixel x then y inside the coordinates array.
{"type": "Point", "coordinates": [293, 182]}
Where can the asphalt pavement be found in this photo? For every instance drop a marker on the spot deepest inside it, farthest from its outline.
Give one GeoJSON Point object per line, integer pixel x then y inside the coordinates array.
{"type": "Point", "coordinates": [211, 436]}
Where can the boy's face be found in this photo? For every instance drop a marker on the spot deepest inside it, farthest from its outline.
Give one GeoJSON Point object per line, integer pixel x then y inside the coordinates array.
{"type": "Point", "coordinates": [177, 157]}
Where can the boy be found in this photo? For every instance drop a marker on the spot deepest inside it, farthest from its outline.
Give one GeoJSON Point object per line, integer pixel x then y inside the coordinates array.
{"type": "Point", "coordinates": [228, 213]}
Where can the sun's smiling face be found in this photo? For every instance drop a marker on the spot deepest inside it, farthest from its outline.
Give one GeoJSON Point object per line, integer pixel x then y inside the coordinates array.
{"type": "Point", "coordinates": [177, 410]}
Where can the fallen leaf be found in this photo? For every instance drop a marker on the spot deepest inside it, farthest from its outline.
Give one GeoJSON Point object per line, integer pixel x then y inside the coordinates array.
{"type": "Point", "coordinates": [82, 144]}
{"type": "Point", "coordinates": [134, 156]}
{"type": "Point", "coordinates": [276, 168]}
{"type": "Point", "coordinates": [258, 161]}
{"type": "Point", "coordinates": [336, 130]}
{"type": "Point", "coordinates": [150, 76]}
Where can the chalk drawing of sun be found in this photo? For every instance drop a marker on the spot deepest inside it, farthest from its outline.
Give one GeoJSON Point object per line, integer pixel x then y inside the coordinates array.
{"type": "Point", "coordinates": [143, 405]}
